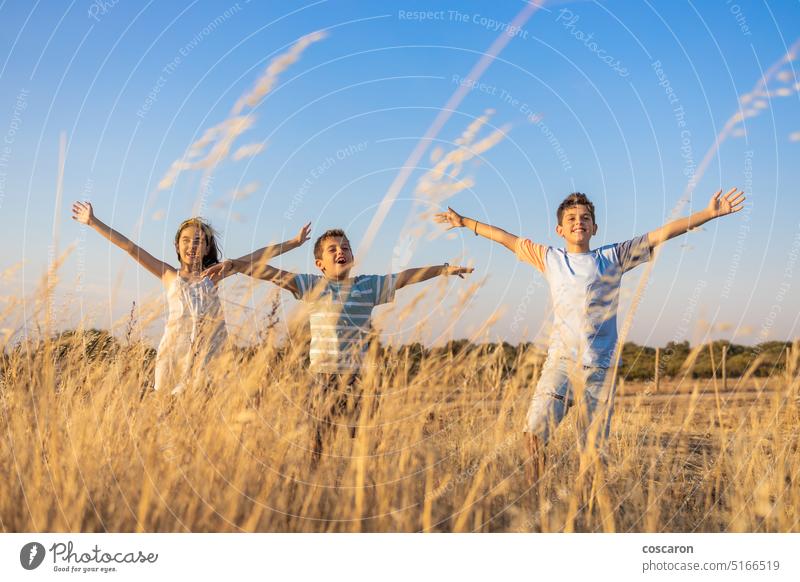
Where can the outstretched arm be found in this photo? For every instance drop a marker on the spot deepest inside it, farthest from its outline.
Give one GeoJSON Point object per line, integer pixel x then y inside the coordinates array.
{"type": "Point", "coordinates": [283, 279]}
{"type": "Point", "coordinates": [257, 260]}
{"type": "Point", "coordinates": [498, 235]}
{"type": "Point", "coordinates": [411, 276]}
{"type": "Point", "coordinates": [83, 213]}
{"type": "Point", "coordinates": [255, 264]}
{"type": "Point", "coordinates": [718, 206]}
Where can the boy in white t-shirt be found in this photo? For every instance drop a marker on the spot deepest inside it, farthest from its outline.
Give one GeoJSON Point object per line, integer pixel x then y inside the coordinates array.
{"type": "Point", "coordinates": [584, 289]}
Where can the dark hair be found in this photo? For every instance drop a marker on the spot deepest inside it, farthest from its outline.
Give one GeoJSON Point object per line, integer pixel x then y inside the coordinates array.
{"type": "Point", "coordinates": [332, 233]}
{"type": "Point", "coordinates": [575, 199]}
{"type": "Point", "coordinates": [212, 246]}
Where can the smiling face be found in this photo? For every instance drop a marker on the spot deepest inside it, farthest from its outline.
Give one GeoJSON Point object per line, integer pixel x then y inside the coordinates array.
{"type": "Point", "coordinates": [335, 258]}
{"type": "Point", "coordinates": [192, 247]}
{"type": "Point", "coordinates": [577, 227]}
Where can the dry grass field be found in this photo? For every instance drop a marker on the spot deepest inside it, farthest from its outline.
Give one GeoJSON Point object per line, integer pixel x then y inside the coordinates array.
{"type": "Point", "coordinates": [85, 447]}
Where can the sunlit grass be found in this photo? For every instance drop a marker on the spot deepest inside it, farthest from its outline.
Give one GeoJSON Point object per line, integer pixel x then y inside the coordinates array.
{"type": "Point", "coordinates": [87, 446]}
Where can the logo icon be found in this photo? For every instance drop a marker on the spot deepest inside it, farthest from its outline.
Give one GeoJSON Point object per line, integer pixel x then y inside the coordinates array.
{"type": "Point", "coordinates": [31, 555]}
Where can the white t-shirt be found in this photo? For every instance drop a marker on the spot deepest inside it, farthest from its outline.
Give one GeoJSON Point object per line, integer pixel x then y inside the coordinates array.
{"type": "Point", "coordinates": [584, 289]}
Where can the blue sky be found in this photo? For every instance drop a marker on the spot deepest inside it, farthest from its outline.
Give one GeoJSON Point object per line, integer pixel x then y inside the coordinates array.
{"type": "Point", "coordinates": [363, 97]}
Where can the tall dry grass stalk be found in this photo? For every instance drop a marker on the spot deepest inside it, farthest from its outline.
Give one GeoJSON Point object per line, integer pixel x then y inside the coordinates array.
{"type": "Point", "coordinates": [87, 446]}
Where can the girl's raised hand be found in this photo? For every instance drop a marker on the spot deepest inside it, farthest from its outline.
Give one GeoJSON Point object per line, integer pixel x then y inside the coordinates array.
{"type": "Point", "coordinates": [83, 213]}
{"type": "Point", "coordinates": [302, 236]}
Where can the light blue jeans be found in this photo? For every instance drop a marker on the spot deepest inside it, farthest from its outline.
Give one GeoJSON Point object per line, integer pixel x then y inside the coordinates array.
{"type": "Point", "coordinates": [563, 384]}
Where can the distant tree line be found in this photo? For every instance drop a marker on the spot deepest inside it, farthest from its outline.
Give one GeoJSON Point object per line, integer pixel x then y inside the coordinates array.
{"type": "Point", "coordinates": [638, 362]}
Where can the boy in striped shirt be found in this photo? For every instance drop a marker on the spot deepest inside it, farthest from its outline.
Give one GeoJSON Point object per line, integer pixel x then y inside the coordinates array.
{"type": "Point", "coordinates": [340, 319]}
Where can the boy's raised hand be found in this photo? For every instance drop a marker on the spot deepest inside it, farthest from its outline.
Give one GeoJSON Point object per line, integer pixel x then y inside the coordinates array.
{"type": "Point", "coordinates": [731, 202]}
{"type": "Point", "coordinates": [458, 271]}
{"type": "Point", "coordinates": [83, 213]}
{"type": "Point", "coordinates": [451, 217]}
{"type": "Point", "coordinates": [218, 272]}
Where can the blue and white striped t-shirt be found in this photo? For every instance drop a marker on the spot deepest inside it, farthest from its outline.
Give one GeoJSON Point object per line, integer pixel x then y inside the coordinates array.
{"type": "Point", "coordinates": [340, 315]}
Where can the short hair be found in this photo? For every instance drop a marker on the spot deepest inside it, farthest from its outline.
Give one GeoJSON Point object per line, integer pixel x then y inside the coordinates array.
{"type": "Point", "coordinates": [575, 199]}
{"type": "Point", "coordinates": [332, 233]}
{"type": "Point", "coordinates": [213, 251]}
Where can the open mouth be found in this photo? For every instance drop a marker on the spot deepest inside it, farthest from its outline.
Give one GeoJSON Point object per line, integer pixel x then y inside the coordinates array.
{"type": "Point", "coordinates": [341, 261]}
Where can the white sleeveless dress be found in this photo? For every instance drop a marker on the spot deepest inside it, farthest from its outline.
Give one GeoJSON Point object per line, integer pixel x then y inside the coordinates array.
{"type": "Point", "coordinates": [194, 334]}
